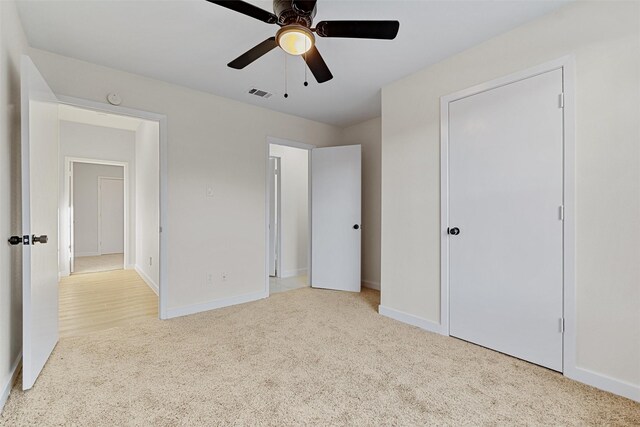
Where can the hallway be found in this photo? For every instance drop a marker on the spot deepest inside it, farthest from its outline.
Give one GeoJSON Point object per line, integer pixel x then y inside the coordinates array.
{"type": "Point", "coordinates": [96, 301]}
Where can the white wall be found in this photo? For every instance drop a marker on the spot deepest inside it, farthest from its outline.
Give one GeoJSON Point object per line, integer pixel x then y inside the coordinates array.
{"type": "Point", "coordinates": [12, 44]}
{"type": "Point", "coordinates": [369, 135]}
{"type": "Point", "coordinates": [294, 205]}
{"type": "Point", "coordinates": [147, 202]}
{"type": "Point", "coordinates": [605, 39]}
{"type": "Point", "coordinates": [212, 142]}
{"type": "Point", "coordinates": [85, 205]}
{"type": "Point", "coordinates": [102, 143]}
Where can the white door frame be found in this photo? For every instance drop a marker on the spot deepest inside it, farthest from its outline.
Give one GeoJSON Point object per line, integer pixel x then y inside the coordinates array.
{"type": "Point", "coordinates": [68, 197]}
{"type": "Point", "coordinates": [279, 141]}
{"type": "Point", "coordinates": [278, 215]}
{"type": "Point", "coordinates": [125, 216]}
{"type": "Point", "coordinates": [566, 64]}
{"type": "Point", "coordinates": [163, 199]}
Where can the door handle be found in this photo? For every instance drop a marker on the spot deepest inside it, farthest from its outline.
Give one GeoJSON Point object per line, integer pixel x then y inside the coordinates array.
{"type": "Point", "coordinates": [454, 231]}
{"type": "Point", "coordinates": [39, 239]}
{"type": "Point", "coordinates": [356, 226]}
{"type": "Point", "coordinates": [15, 240]}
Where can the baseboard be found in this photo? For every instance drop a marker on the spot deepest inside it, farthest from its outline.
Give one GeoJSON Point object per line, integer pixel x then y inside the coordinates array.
{"type": "Point", "coordinates": [147, 280]}
{"type": "Point", "coordinates": [410, 319]}
{"type": "Point", "coordinates": [6, 389]}
{"type": "Point", "coordinates": [294, 273]}
{"type": "Point", "coordinates": [371, 285]}
{"type": "Point", "coordinates": [604, 382]}
{"type": "Point", "coordinates": [212, 305]}
{"type": "Point", "coordinates": [130, 267]}
{"type": "Point", "coordinates": [81, 254]}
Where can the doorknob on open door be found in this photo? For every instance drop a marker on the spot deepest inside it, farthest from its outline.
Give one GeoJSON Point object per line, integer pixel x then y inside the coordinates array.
{"type": "Point", "coordinates": [454, 231]}
{"type": "Point", "coordinates": [356, 226]}
{"type": "Point", "coordinates": [39, 239]}
{"type": "Point", "coordinates": [15, 240]}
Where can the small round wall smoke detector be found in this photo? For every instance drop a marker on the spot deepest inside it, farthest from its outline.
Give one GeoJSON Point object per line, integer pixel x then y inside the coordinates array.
{"type": "Point", "coordinates": [114, 99]}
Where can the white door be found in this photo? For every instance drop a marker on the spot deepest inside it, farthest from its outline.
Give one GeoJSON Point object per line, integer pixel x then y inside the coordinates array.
{"type": "Point", "coordinates": [335, 217]}
{"type": "Point", "coordinates": [111, 215]}
{"type": "Point", "coordinates": [273, 240]}
{"type": "Point", "coordinates": [505, 197]}
{"type": "Point", "coordinates": [39, 219]}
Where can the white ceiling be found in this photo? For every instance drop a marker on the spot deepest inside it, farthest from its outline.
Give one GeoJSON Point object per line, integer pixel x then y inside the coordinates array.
{"type": "Point", "coordinates": [96, 118]}
{"type": "Point", "coordinates": [189, 42]}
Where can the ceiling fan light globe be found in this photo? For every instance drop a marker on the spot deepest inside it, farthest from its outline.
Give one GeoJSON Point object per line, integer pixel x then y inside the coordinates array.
{"type": "Point", "coordinates": [295, 40]}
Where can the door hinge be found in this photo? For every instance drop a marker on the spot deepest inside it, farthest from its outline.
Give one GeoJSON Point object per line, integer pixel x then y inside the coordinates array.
{"type": "Point", "coordinates": [561, 212]}
{"type": "Point", "coordinates": [561, 100]}
{"type": "Point", "coordinates": [561, 325]}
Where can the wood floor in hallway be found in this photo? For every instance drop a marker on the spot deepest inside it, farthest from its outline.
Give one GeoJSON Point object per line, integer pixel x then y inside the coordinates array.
{"type": "Point", "coordinates": [95, 301]}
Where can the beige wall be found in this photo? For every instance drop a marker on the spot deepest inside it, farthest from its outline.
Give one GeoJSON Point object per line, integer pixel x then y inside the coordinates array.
{"type": "Point", "coordinates": [605, 39]}
{"type": "Point", "coordinates": [368, 134]}
{"type": "Point", "coordinates": [12, 44]}
{"type": "Point", "coordinates": [212, 142]}
{"type": "Point", "coordinates": [147, 202]}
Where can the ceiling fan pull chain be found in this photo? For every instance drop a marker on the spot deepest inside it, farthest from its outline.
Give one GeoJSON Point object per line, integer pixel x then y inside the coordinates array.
{"type": "Point", "coordinates": [306, 83]}
{"type": "Point", "coordinates": [286, 94]}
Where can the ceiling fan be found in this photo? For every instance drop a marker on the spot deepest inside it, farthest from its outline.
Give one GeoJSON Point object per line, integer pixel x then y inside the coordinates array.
{"type": "Point", "coordinates": [296, 34]}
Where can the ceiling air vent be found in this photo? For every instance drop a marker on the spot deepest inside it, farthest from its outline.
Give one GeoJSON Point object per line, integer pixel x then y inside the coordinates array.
{"type": "Point", "coordinates": [260, 93]}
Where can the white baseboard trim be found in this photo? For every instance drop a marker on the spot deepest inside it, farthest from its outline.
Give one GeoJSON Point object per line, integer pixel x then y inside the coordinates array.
{"type": "Point", "coordinates": [212, 305]}
{"type": "Point", "coordinates": [8, 385]}
{"type": "Point", "coordinates": [147, 280]}
{"type": "Point", "coordinates": [371, 285]}
{"type": "Point", "coordinates": [604, 382]}
{"type": "Point", "coordinates": [585, 376]}
{"type": "Point", "coordinates": [130, 267]}
{"type": "Point", "coordinates": [410, 319]}
{"type": "Point", "coordinates": [81, 254]}
{"type": "Point", "coordinates": [293, 273]}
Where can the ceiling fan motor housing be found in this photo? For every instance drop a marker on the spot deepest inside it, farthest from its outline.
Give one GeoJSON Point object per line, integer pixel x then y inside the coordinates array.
{"type": "Point", "coordinates": [288, 14]}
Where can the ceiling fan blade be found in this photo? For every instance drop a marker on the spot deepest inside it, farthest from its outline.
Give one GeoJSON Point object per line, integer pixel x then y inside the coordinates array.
{"type": "Point", "coordinates": [247, 9]}
{"type": "Point", "coordinates": [304, 7]}
{"type": "Point", "coordinates": [317, 65]}
{"type": "Point", "coordinates": [254, 53]}
{"type": "Point", "coordinates": [383, 30]}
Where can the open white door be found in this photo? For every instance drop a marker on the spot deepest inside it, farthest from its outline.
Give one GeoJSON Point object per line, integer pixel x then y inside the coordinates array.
{"type": "Point", "coordinates": [335, 217]}
{"type": "Point", "coordinates": [39, 221]}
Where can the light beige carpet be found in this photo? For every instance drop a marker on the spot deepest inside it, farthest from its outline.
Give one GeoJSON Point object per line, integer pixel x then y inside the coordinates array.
{"type": "Point", "coordinates": [300, 357]}
{"type": "Point", "coordinates": [94, 264]}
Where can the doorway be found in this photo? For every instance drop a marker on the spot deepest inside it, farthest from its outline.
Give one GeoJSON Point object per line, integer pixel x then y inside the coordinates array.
{"type": "Point", "coordinates": [99, 215]}
{"type": "Point", "coordinates": [274, 213]}
{"type": "Point", "coordinates": [109, 215]}
{"type": "Point", "coordinates": [289, 218]}
{"type": "Point", "coordinates": [313, 220]}
{"type": "Point", "coordinates": [507, 215]}
{"type": "Point", "coordinates": [45, 211]}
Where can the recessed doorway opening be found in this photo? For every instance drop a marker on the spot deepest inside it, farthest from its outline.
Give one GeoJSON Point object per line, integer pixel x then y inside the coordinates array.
{"type": "Point", "coordinates": [98, 215]}
{"type": "Point", "coordinates": [289, 218]}
{"type": "Point", "coordinates": [109, 220]}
